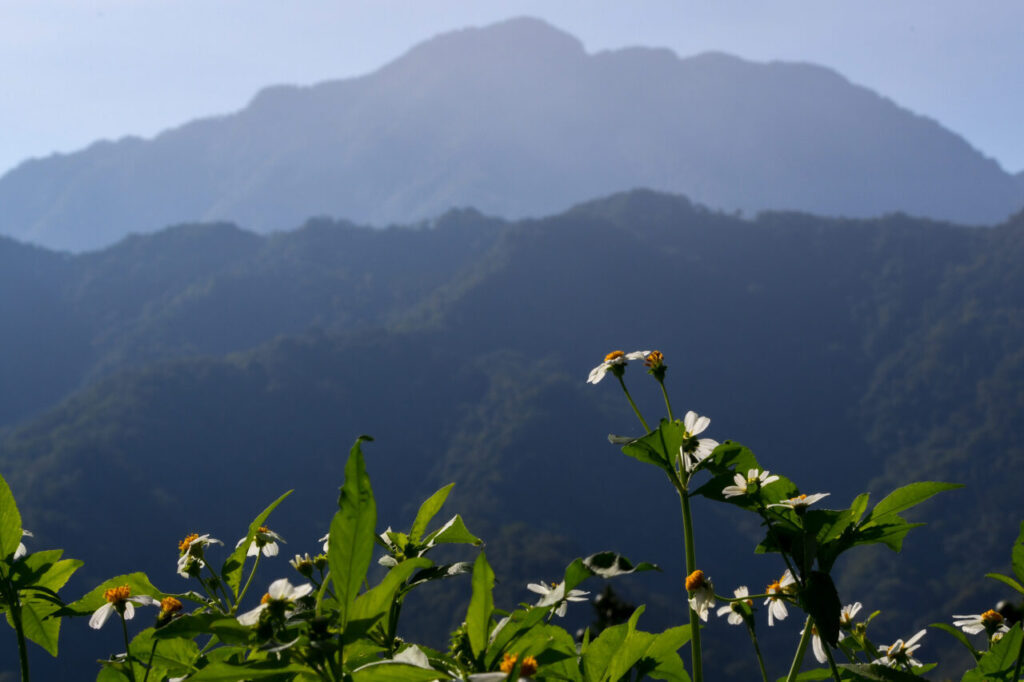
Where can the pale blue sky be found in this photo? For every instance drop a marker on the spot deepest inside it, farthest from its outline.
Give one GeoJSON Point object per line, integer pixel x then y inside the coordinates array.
{"type": "Point", "coordinates": [73, 71]}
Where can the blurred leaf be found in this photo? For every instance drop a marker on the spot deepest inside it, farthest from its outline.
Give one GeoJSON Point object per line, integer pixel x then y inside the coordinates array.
{"type": "Point", "coordinates": [220, 671]}
{"type": "Point", "coordinates": [389, 671]}
{"type": "Point", "coordinates": [999, 661]}
{"type": "Point", "coordinates": [1017, 554]}
{"type": "Point", "coordinates": [958, 635]}
{"type": "Point", "coordinates": [427, 511]}
{"type": "Point", "coordinates": [821, 601]}
{"type": "Point", "coordinates": [1007, 580]}
{"type": "Point", "coordinates": [481, 606]}
{"type": "Point", "coordinates": [350, 548]}
{"type": "Point", "coordinates": [376, 602]}
{"type": "Point", "coordinates": [875, 672]}
{"type": "Point", "coordinates": [10, 521]}
{"type": "Point", "coordinates": [231, 572]}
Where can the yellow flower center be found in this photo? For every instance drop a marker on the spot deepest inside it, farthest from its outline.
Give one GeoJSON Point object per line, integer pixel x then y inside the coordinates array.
{"type": "Point", "coordinates": [265, 599]}
{"type": "Point", "coordinates": [654, 359]}
{"type": "Point", "coordinates": [262, 529]}
{"type": "Point", "coordinates": [774, 588]}
{"type": "Point", "coordinates": [508, 661]}
{"type": "Point", "coordinates": [184, 544]}
{"type": "Point", "coordinates": [170, 605]}
{"type": "Point", "coordinates": [118, 595]}
{"type": "Point", "coordinates": [695, 580]}
{"type": "Point", "coordinates": [527, 668]}
{"type": "Point", "coordinates": [614, 355]}
{"type": "Point", "coordinates": [991, 619]}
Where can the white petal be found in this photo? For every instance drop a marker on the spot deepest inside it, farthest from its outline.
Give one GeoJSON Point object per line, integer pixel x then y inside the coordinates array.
{"type": "Point", "coordinates": [689, 420]}
{"type": "Point", "coordinates": [279, 589]}
{"type": "Point", "coordinates": [819, 649]}
{"type": "Point", "coordinates": [146, 600]}
{"type": "Point", "coordinates": [699, 426]}
{"type": "Point", "coordinates": [413, 656]}
{"type": "Point", "coordinates": [20, 551]}
{"type": "Point", "coordinates": [638, 355]}
{"type": "Point", "coordinates": [538, 588]}
{"type": "Point", "coordinates": [129, 610]}
{"type": "Point", "coordinates": [740, 591]}
{"type": "Point", "coordinates": [251, 617]}
{"type": "Point", "coordinates": [917, 636]}
{"type": "Point", "coordinates": [270, 549]}
{"type": "Point", "coordinates": [560, 611]}
{"type": "Point", "coordinates": [100, 615]}
{"type": "Point", "coordinates": [253, 549]}
{"type": "Point", "coordinates": [301, 591]}
{"type": "Point", "coordinates": [597, 373]}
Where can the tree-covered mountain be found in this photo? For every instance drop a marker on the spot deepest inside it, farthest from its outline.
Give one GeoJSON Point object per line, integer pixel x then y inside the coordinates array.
{"type": "Point", "coordinates": [517, 120]}
{"type": "Point", "coordinates": [849, 354]}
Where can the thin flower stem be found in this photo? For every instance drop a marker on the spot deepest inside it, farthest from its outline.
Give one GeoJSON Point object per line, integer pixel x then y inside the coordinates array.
{"type": "Point", "coordinates": [247, 582]}
{"type": "Point", "coordinates": [127, 649]}
{"type": "Point", "coordinates": [10, 595]}
{"type": "Point", "coordinates": [831, 660]}
{"type": "Point", "coordinates": [757, 650]}
{"type": "Point", "coordinates": [691, 566]}
{"type": "Point", "coordinates": [152, 653]}
{"type": "Point", "coordinates": [217, 582]}
{"type": "Point", "coordinates": [636, 409]}
{"type": "Point", "coordinates": [668, 404]}
{"type": "Point", "coordinates": [771, 529]}
{"type": "Point", "coordinates": [798, 658]}
{"type": "Point", "coordinates": [1020, 659]}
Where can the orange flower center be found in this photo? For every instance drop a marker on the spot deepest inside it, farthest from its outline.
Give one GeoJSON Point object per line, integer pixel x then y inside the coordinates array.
{"type": "Point", "coordinates": [614, 355]}
{"type": "Point", "coordinates": [184, 544]}
{"type": "Point", "coordinates": [262, 529]}
{"type": "Point", "coordinates": [118, 595]}
{"type": "Point", "coordinates": [508, 661]}
{"type": "Point", "coordinates": [991, 618]}
{"type": "Point", "coordinates": [265, 599]}
{"type": "Point", "coordinates": [528, 667]}
{"type": "Point", "coordinates": [774, 588]}
{"type": "Point", "coordinates": [695, 580]}
{"type": "Point", "coordinates": [170, 605]}
{"type": "Point", "coordinates": [654, 359]}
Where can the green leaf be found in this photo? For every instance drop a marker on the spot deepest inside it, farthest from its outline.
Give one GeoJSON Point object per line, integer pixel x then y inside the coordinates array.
{"type": "Point", "coordinates": [821, 601]}
{"type": "Point", "coordinates": [481, 606]}
{"type": "Point", "coordinates": [176, 656]}
{"type": "Point", "coordinates": [453, 532]}
{"type": "Point", "coordinates": [427, 511]}
{"type": "Point", "coordinates": [350, 547]}
{"type": "Point", "coordinates": [137, 582]}
{"type": "Point", "coordinates": [631, 649]}
{"type": "Point", "coordinates": [660, 659]}
{"type": "Point", "coordinates": [220, 671]}
{"type": "Point", "coordinates": [37, 626]}
{"type": "Point", "coordinates": [612, 564]}
{"type": "Point", "coordinates": [1006, 579]}
{"type": "Point", "coordinates": [875, 672]}
{"type": "Point", "coordinates": [388, 671]}
{"type": "Point", "coordinates": [659, 447]}
{"type": "Point", "coordinates": [231, 572]}
{"type": "Point", "coordinates": [440, 572]}
{"type": "Point", "coordinates": [1017, 554]}
{"type": "Point", "coordinates": [887, 510]}
{"type": "Point", "coordinates": [958, 635]}
{"type": "Point", "coordinates": [10, 521]}
{"type": "Point", "coordinates": [597, 658]}
{"type": "Point", "coordinates": [376, 603]}
{"type": "Point", "coordinates": [999, 661]}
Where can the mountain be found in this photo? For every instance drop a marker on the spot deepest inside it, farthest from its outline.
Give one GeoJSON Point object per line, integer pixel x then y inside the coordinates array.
{"type": "Point", "coordinates": [517, 119]}
{"type": "Point", "coordinates": [848, 354]}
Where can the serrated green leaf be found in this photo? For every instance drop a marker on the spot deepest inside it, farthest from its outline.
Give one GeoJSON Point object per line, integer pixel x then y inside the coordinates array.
{"type": "Point", "coordinates": [596, 659]}
{"type": "Point", "coordinates": [231, 572]}
{"type": "Point", "coordinates": [481, 606]}
{"type": "Point", "coordinates": [453, 532]}
{"type": "Point", "coordinates": [661, 661]}
{"type": "Point", "coordinates": [629, 651]}
{"type": "Point", "coordinates": [350, 547]}
{"type": "Point", "coordinates": [138, 583]}
{"type": "Point", "coordinates": [10, 521]}
{"type": "Point", "coordinates": [659, 447]}
{"type": "Point", "coordinates": [1007, 580]}
{"type": "Point", "coordinates": [37, 626]}
{"type": "Point", "coordinates": [430, 507]}
{"type": "Point", "coordinates": [887, 510]}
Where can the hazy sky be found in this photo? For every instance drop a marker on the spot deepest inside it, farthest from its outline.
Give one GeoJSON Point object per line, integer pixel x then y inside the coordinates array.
{"type": "Point", "coordinates": [73, 71]}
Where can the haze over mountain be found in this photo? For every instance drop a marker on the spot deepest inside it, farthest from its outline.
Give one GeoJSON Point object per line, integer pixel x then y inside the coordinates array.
{"type": "Point", "coordinates": [517, 119]}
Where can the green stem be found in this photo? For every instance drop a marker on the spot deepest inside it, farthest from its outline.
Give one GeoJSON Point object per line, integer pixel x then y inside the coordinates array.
{"type": "Point", "coordinates": [247, 582]}
{"type": "Point", "coordinates": [636, 409]}
{"type": "Point", "coordinates": [757, 650]}
{"type": "Point", "coordinates": [12, 598]}
{"type": "Point", "coordinates": [217, 582]}
{"type": "Point", "coordinates": [668, 405]}
{"type": "Point", "coordinates": [152, 653]}
{"type": "Point", "coordinates": [798, 658]}
{"type": "Point", "coordinates": [831, 660]}
{"type": "Point", "coordinates": [691, 566]}
{"type": "Point", "coordinates": [1020, 658]}
{"type": "Point", "coordinates": [127, 649]}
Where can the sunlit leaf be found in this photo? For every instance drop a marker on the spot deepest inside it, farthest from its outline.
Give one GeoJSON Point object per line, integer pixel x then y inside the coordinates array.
{"type": "Point", "coordinates": [10, 521]}
{"type": "Point", "coordinates": [427, 511]}
{"type": "Point", "coordinates": [231, 572]}
{"type": "Point", "coordinates": [481, 606]}
{"type": "Point", "coordinates": [350, 548]}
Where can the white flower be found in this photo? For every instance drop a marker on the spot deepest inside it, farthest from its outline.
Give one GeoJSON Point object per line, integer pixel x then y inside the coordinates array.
{"type": "Point", "coordinates": [265, 541]}
{"type": "Point", "coordinates": [280, 591]}
{"type": "Point", "coordinates": [776, 604]}
{"type": "Point", "coordinates": [325, 539]}
{"type": "Point", "coordinates": [990, 621]}
{"type": "Point", "coordinates": [614, 359]}
{"type": "Point", "coordinates": [556, 595]}
{"type": "Point", "coordinates": [754, 480]}
{"type": "Point", "coordinates": [702, 593]}
{"type": "Point", "coordinates": [900, 652]}
{"type": "Point", "coordinates": [695, 450]}
{"type": "Point", "coordinates": [22, 550]}
{"type": "Point", "coordinates": [846, 617]}
{"type": "Point", "coordinates": [817, 644]}
{"type": "Point", "coordinates": [734, 609]}
{"type": "Point", "coordinates": [800, 502]}
{"type": "Point", "coordinates": [191, 549]}
{"type": "Point", "coordinates": [119, 599]}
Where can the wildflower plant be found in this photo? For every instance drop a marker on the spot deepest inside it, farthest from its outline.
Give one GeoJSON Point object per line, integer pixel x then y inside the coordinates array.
{"type": "Point", "coordinates": [335, 616]}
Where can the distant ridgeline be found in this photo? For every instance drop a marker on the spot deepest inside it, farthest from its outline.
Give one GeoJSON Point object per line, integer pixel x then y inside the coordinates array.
{"type": "Point", "coordinates": [517, 119]}
{"type": "Point", "coordinates": [141, 380]}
